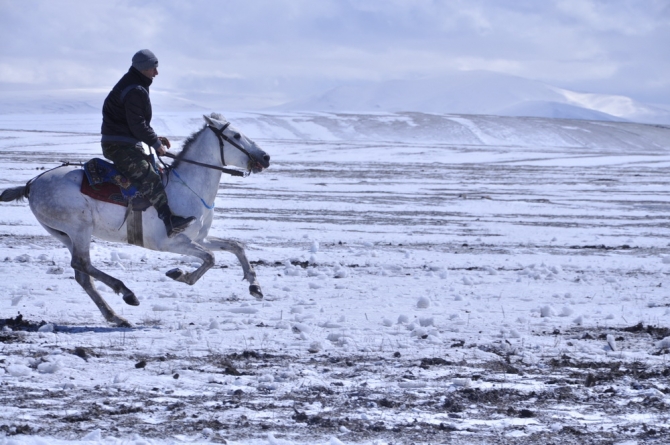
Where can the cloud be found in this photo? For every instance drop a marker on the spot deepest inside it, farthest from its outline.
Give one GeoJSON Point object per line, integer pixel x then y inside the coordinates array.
{"type": "Point", "coordinates": [624, 17]}
{"type": "Point", "coordinates": [284, 48]}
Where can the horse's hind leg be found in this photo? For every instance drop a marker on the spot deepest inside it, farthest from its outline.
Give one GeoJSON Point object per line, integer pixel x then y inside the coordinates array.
{"type": "Point", "coordinates": [236, 249]}
{"type": "Point", "coordinates": [86, 281]}
{"type": "Point", "coordinates": [81, 261]}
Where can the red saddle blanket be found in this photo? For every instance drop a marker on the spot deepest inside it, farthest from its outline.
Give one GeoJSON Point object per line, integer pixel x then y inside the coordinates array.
{"type": "Point", "coordinates": [104, 191]}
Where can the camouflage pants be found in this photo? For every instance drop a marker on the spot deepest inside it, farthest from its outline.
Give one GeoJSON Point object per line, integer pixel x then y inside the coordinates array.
{"type": "Point", "coordinates": [131, 161]}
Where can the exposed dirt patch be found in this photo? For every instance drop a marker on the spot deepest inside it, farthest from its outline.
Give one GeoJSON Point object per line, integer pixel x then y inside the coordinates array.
{"type": "Point", "coordinates": [409, 395]}
{"type": "Point", "coordinates": [19, 324]}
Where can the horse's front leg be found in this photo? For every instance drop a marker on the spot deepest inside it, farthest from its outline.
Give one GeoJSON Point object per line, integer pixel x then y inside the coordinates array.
{"type": "Point", "coordinates": [185, 246]}
{"type": "Point", "coordinates": [236, 248]}
{"type": "Point", "coordinates": [86, 282]}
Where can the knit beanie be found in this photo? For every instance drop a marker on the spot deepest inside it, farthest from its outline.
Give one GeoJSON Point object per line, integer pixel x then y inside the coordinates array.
{"type": "Point", "coordinates": [144, 60]}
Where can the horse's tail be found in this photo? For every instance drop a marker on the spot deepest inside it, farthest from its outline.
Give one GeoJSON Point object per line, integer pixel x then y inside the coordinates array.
{"type": "Point", "coordinates": [16, 193]}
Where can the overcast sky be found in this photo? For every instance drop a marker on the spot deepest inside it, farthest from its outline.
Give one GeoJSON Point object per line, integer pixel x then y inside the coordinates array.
{"type": "Point", "coordinates": [269, 51]}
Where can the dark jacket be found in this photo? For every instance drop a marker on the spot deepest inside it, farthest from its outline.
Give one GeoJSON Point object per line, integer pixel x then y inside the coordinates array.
{"type": "Point", "coordinates": [126, 113]}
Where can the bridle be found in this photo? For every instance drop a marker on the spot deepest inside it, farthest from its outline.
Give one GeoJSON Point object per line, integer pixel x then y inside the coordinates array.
{"type": "Point", "coordinates": [221, 138]}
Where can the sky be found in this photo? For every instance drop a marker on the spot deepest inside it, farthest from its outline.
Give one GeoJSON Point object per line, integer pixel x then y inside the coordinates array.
{"type": "Point", "coordinates": [266, 52]}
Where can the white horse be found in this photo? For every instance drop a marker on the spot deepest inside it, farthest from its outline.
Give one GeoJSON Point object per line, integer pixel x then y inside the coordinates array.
{"type": "Point", "coordinates": [72, 217]}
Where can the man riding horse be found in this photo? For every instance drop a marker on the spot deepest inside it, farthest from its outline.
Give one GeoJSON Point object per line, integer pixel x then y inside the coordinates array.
{"type": "Point", "coordinates": [126, 123]}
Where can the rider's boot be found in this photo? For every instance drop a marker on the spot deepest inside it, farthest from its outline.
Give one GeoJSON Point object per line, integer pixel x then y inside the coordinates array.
{"type": "Point", "coordinates": [174, 224]}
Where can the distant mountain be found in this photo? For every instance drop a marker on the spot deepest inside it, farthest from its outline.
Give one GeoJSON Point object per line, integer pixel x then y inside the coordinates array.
{"type": "Point", "coordinates": [555, 110]}
{"type": "Point", "coordinates": [619, 106]}
{"type": "Point", "coordinates": [49, 102]}
{"type": "Point", "coordinates": [479, 92]}
{"type": "Point", "coordinates": [83, 102]}
{"type": "Point", "coordinates": [462, 92]}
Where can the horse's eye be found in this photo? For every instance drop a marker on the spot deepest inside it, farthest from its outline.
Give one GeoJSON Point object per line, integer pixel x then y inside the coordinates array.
{"type": "Point", "coordinates": [237, 136]}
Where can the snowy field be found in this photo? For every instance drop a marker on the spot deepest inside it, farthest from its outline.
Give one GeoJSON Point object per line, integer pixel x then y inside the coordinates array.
{"type": "Point", "coordinates": [428, 279]}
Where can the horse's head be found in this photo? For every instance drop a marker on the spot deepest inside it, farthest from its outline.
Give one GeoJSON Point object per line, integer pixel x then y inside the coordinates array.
{"type": "Point", "coordinates": [239, 150]}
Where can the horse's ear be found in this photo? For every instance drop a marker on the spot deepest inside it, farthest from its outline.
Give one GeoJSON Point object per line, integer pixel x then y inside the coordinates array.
{"type": "Point", "coordinates": [214, 117]}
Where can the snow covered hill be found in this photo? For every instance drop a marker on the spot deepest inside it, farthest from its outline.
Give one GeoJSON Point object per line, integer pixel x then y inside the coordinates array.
{"type": "Point", "coordinates": [480, 92]}
{"type": "Point", "coordinates": [458, 130]}
{"type": "Point", "coordinates": [513, 134]}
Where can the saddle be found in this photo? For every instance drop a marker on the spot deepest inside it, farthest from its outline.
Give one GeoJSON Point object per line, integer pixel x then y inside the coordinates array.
{"type": "Point", "coordinates": [105, 183]}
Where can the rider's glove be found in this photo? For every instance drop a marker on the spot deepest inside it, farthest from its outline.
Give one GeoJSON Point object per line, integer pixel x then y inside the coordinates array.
{"type": "Point", "coordinates": [164, 141]}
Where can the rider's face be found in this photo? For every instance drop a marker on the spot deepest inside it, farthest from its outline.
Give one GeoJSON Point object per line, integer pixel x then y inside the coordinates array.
{"type": "Point", "coordinates": [150, 73]}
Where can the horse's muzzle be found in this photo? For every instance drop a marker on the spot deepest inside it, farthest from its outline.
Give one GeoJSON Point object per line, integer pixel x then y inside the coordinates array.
{"type": "Point", "coordinates": [259, 165]}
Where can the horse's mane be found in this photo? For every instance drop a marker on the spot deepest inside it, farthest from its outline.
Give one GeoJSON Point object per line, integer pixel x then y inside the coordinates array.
{"type": "Point", "coordinates": [187, 144]}
{"type": "Point", "coordinates": [191, 139]}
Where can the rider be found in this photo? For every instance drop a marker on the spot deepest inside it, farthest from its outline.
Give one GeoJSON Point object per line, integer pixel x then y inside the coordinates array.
{"type": "Point", "coordinates": [126, 123]}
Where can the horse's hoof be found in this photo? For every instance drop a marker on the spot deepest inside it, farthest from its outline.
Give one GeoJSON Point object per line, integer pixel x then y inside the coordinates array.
{"type": "Point", "coordinates": [131, 299]}
{"type": "Point", "coordinates": [124, 324]}
{"type": "Point", "coordinates": [255, 290]}
{"type": "Point", "coordinates": [175, 274]}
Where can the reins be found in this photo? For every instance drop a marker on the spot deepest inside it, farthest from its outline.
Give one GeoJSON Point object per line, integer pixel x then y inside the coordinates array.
{"type": "Point", "coordinates": [229, 171]}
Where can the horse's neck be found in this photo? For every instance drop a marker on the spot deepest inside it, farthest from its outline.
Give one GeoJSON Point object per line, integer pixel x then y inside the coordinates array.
{"type": "Point", "coordinates": [202, 180]}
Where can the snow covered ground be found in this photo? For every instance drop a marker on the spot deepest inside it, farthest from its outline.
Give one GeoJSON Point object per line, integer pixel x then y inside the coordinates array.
{"type": "Point", "coordinates": [428, 279]}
